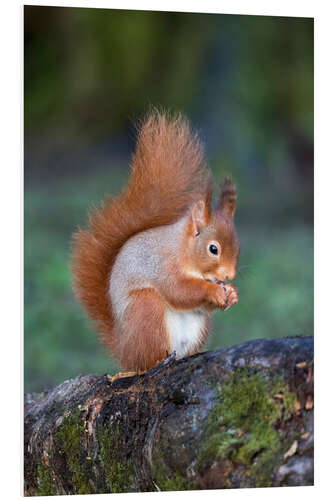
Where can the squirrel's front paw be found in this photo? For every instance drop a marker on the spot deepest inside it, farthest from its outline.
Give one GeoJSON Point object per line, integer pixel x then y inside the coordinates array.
{"type": "Point", "coordinates": [232, 295]}
{"type": "Point", "coordinates": [219, 298]}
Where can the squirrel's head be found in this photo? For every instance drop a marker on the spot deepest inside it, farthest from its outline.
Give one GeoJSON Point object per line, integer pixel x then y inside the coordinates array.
{"type": "Point", "coordinates": [212, 243]}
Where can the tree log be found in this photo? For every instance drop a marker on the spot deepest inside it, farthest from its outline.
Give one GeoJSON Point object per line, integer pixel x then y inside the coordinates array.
{"type": "Point", "coordinates": [232, 418]}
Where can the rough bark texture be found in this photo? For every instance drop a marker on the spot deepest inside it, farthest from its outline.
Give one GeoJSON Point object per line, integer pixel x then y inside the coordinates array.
{"type": "Point", "coordinates": [233, 418]}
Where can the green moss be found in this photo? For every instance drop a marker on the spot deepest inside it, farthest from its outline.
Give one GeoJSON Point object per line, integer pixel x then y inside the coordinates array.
{"type": "Point", "coordinates": [45, 487]}
{"type": "Point", "coordinates": [175, 482]}
{"type": "Point", "coordinates": [241, 425]}
{"type": "Point", "coordinates": [118, 476]}
{"type": "Point", "coordinates": [67, 440]}
{"type": "Point", "coordinates": [166, 477]}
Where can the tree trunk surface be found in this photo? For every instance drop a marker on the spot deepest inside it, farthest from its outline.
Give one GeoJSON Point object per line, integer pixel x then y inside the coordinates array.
{"type": "Point", "coordinates": [232, 418]}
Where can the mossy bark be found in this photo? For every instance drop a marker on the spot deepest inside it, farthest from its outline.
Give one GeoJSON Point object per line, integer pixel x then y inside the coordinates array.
{"type": "Point", "coordinates": [232, 418]}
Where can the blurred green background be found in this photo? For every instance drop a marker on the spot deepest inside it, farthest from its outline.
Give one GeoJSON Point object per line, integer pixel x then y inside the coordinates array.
{"type": "Point", "coordinates": [245, 81]}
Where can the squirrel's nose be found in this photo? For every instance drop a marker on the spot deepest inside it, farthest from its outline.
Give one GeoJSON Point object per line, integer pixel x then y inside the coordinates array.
{"type": "Point", "coordinates": [231, 275]}
{"type": "Point", "coordinates": [224, 274]}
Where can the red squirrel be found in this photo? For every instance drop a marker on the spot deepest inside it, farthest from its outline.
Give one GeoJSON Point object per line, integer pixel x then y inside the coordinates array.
{"type": "Point", "coordinates": [151, 266]}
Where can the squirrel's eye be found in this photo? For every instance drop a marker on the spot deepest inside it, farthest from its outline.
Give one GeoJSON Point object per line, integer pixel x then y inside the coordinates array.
{"type": "Point", "coordinates": [213, 249]}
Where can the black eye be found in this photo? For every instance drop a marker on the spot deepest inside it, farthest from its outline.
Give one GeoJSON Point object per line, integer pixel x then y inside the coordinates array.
{"type": "Point", "coordinates": [213, 249]}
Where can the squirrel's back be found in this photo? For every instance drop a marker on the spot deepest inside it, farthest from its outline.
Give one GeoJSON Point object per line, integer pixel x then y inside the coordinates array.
{"type": "Point", "coordinates": [168, 175]}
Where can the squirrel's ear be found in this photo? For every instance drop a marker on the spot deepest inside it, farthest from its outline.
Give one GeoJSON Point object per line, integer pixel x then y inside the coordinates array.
{"type": "Point", "coordinates": [228, 198]}
{"type": "Point", "coordinates": [200, 216]}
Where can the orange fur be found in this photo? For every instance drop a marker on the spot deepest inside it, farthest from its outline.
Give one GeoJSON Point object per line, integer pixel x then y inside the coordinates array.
{"type": "Point", "coordinates": [168, 175]}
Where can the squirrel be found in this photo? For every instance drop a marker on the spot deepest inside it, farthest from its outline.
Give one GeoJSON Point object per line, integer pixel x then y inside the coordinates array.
{"type": "Point", "coordinates": [152, 264]}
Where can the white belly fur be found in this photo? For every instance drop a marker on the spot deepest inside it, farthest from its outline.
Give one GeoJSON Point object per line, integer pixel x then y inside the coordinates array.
{"type": "Point", "coordinates": [185, 329]}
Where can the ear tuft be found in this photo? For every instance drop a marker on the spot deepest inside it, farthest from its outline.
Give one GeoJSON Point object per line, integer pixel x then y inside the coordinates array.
{"type": "Point", "coordinates": [200, 216]}
{"type": "Point", "coordinates": [228, 198]}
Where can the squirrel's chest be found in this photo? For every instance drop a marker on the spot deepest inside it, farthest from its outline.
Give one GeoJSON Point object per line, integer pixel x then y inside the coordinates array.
{"type": "Point", "coordinates": [185, 329]}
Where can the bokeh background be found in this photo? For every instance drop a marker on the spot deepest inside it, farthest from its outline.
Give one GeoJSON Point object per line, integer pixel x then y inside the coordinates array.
{"type": "Point", "coordinates": [245, 81]}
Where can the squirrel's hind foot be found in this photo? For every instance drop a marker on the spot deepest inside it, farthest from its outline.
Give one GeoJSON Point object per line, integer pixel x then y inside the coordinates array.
{"type": "Point", "coordinates": [112, 378]}
{"type": "Point", "coordinates": [159, 364]}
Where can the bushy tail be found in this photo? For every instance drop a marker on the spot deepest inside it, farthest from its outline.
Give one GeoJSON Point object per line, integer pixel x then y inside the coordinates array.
{"type": "Point", "coordinates": [168, 175]}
